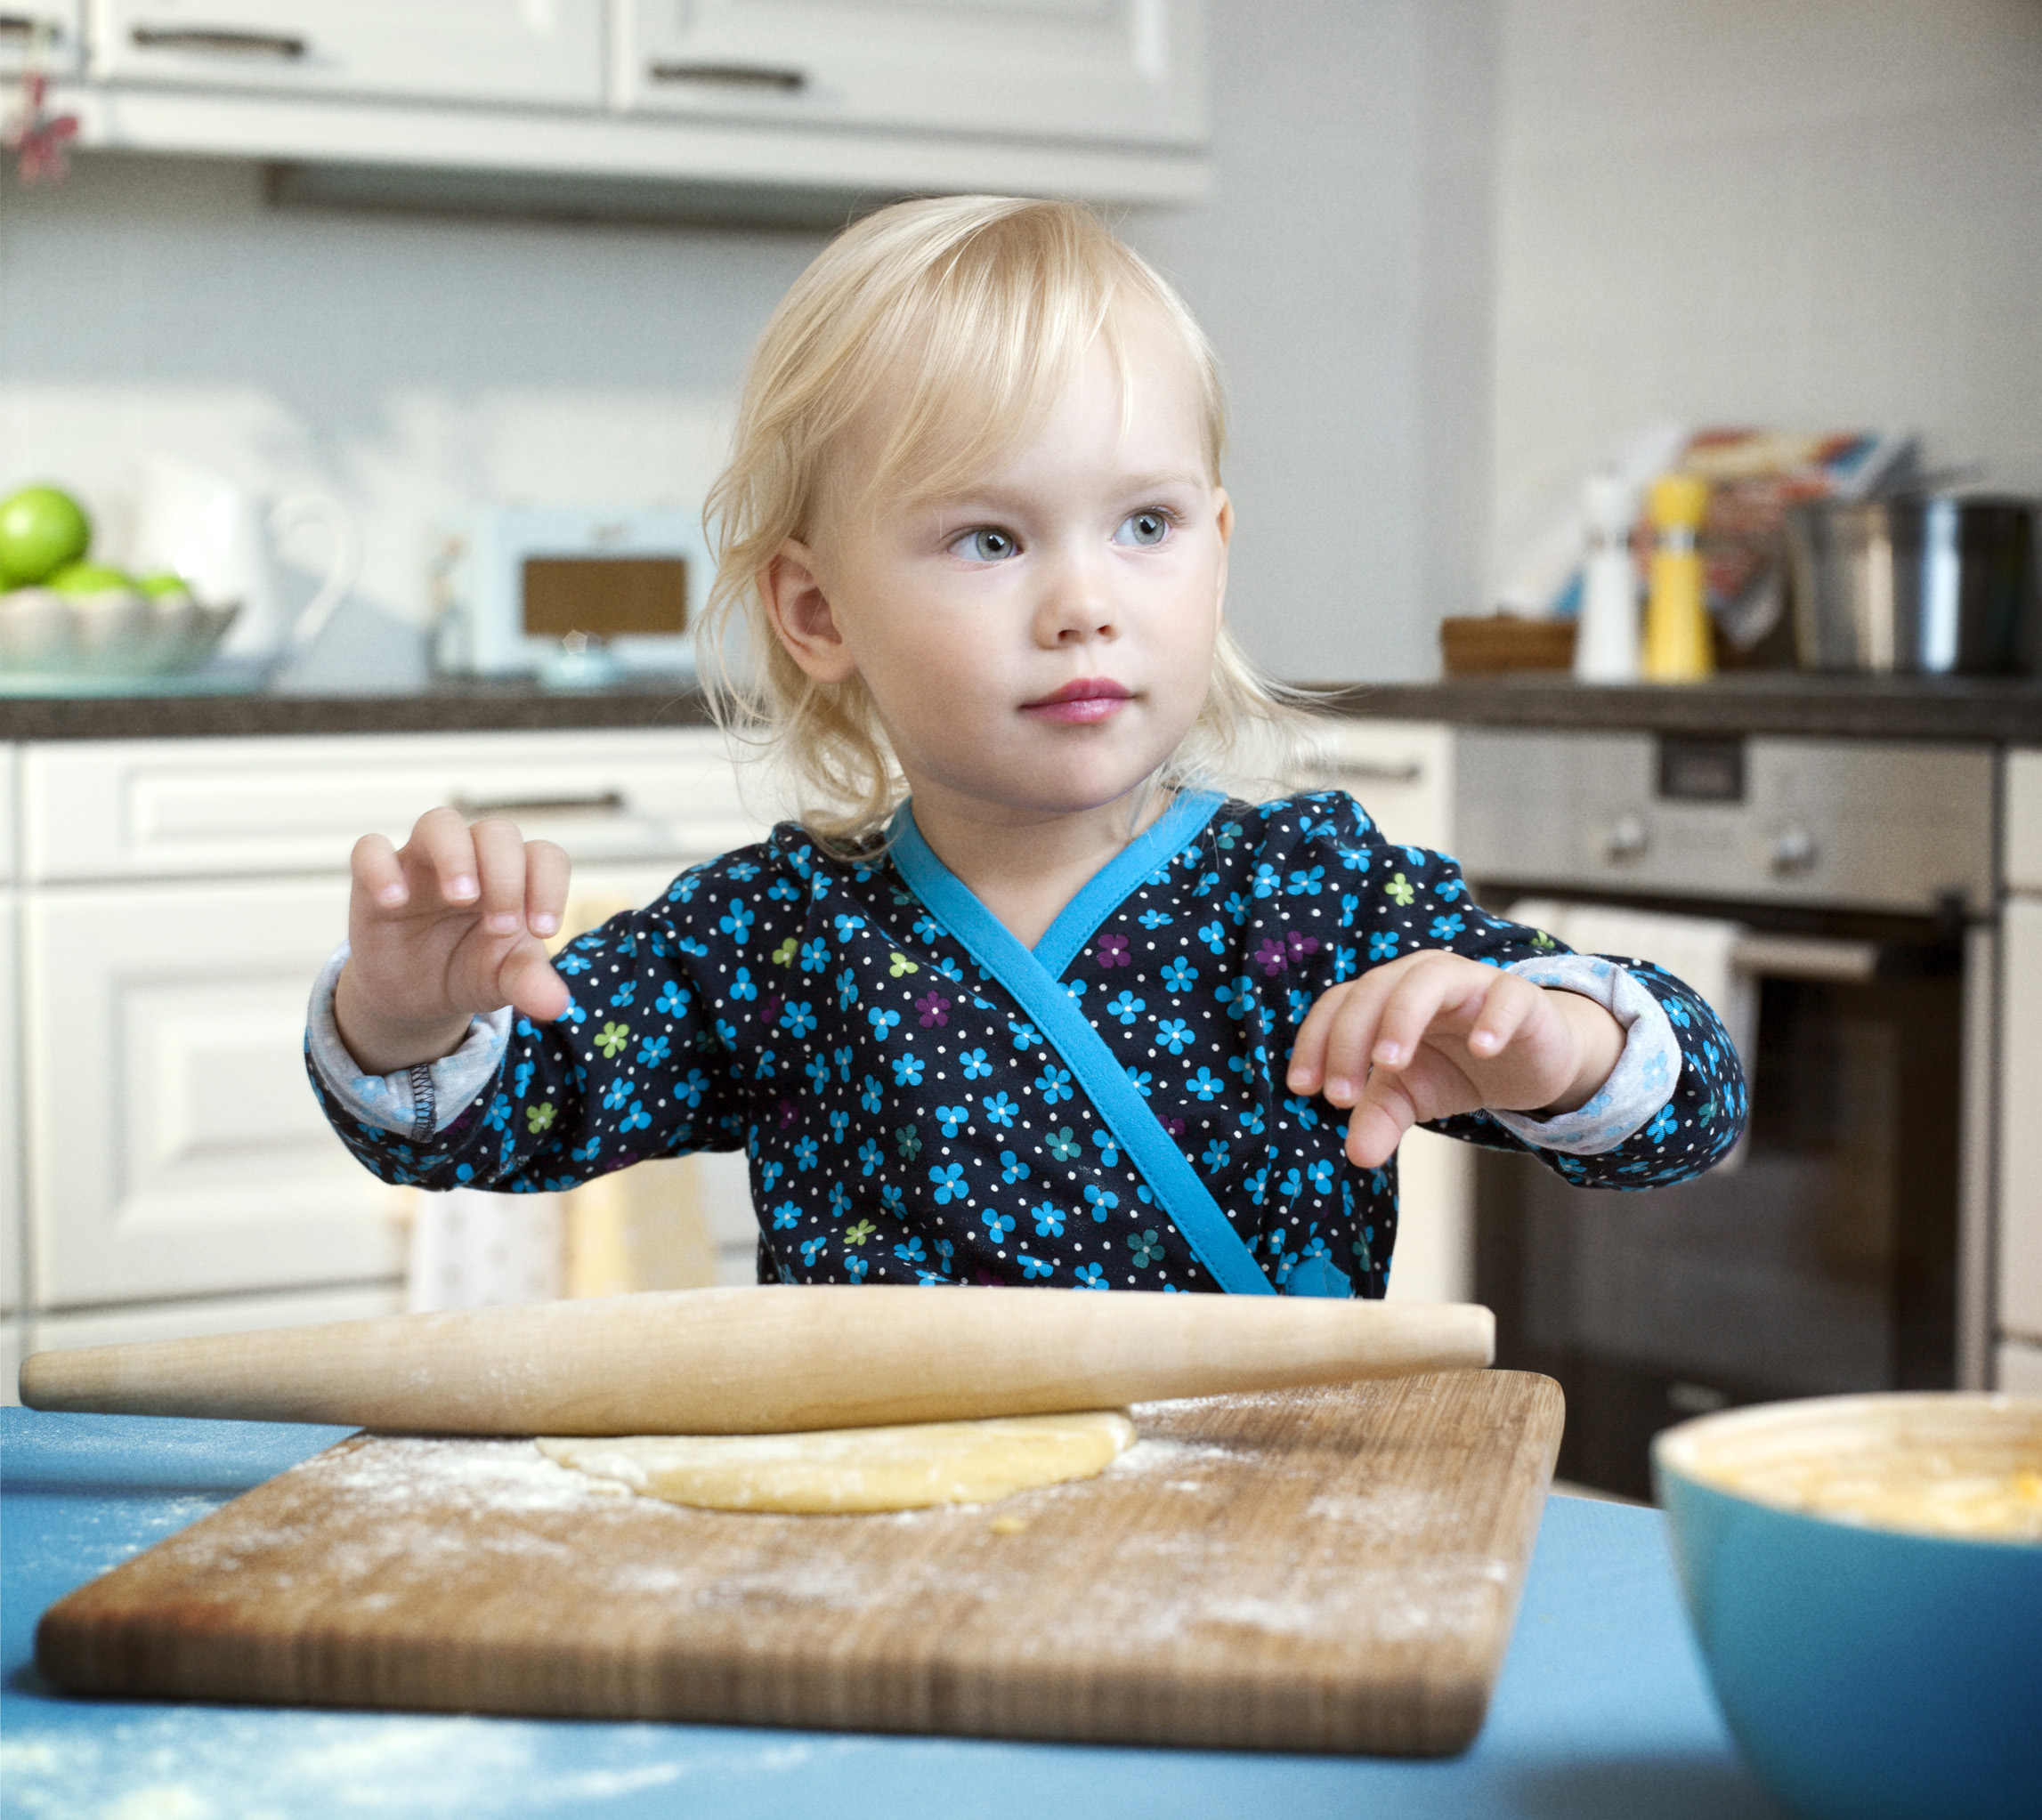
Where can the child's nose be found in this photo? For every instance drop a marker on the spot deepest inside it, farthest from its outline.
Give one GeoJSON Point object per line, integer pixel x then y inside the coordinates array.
{"type": "Point", "coordinates": [1078, 605]}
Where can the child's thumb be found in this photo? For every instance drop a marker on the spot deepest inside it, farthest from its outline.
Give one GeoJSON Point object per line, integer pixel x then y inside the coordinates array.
{"type": "Point", "coordinates": [529, 985]}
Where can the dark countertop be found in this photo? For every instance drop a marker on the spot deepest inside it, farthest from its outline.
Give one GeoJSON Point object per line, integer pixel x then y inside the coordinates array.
{"type": "Point", "coordinates": [1987, 710]}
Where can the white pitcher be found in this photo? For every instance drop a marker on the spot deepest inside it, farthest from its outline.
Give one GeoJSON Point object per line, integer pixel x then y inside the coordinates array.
{"type": "Point", "coordinates": [218, 536]}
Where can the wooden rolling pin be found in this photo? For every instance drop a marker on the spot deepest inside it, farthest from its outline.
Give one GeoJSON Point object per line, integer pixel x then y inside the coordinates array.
{"type": "Point", "coordinates": [755, 1360]}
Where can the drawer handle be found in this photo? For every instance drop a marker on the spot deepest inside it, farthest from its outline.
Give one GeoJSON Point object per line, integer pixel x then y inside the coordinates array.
{"type": "Point", "coordinates": [731, 76]}
{"type": "Point", "coordinates": [604, 803]}
{"type": "Point", "coordinates": [1806, 958]}
{"type": "Point", "coordinates": [220, 38]}
{"type": "Point", "coordinates": [1375, 770]}
{"type": "Point", "coordinates": [22, 25]}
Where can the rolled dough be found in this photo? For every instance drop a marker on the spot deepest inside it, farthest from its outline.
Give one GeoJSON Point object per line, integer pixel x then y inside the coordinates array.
{"type": "Point", "coordinates": [850, 1470]}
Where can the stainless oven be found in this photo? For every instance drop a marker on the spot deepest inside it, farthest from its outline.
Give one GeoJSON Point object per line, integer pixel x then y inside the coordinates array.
{"type": "Point", "coordinates": [1845, 1247]}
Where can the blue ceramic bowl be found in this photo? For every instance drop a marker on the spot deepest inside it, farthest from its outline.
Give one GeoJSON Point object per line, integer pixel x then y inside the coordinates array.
{"type": "Point", "coordinates": [1869, 1673]}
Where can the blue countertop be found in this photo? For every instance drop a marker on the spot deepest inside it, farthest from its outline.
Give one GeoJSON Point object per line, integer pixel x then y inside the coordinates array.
{"type": "Point", "coordinates": [1602, 1709]}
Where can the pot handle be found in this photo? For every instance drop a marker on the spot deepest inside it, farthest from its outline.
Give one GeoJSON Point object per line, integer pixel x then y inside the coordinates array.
{"type": "Point", "coordinates": [344, 566]}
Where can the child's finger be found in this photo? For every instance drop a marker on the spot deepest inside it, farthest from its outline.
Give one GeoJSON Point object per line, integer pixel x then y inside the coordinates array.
{"type": "Point", "coordinates": [499, 867]}
{"type": "Point", "coordinates": [441, 847]}
{"type": "Point", "coordinates": [528, 981]}
{"type": "Point", "coordinates": [546, 870]}
{"type": "Point", "coordinates": [1307, 1053]}
{"type": "Point", "coordinates": [1351, 1036]}
{"type": "Point", "coordinates": [1381, 1117]}
{"type": "Point", "coordinates": [1509, 1003]}
{"type": "Point", "coordinates": [378, 874]}
{"type": "Point", "coordinates": [1411, 1009]}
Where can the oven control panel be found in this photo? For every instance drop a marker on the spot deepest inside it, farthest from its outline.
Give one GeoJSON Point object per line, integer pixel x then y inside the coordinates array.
{"type": "Point", "coordinates": [1859, 824]}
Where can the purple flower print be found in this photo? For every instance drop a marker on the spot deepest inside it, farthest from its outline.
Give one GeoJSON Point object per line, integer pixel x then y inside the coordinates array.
{"type": "Point", "coordinates": [1298, 946]}
{"type": "Point", "coordinates": [1112, 951]}
{"type": "Point", "coordinates": [1271, 956]}
{"type": "Point", "coordinates": [934, 1011]}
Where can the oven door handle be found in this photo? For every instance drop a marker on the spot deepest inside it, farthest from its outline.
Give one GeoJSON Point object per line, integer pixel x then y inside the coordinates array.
{"type": "Point", "coordinates": [1806, 958]}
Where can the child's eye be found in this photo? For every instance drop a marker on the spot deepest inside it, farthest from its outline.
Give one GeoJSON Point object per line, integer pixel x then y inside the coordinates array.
{"type": "Point", "coordinates": [986, 545]}
{"type": "Point", "coordinates": [1143, 528]}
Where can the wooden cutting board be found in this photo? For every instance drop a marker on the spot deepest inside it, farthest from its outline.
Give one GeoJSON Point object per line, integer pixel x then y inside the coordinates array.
{"type": "Point", "coordinates": [1315, 1570]}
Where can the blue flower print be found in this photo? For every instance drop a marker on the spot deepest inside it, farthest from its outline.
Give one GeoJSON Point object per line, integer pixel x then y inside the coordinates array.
{"type": "Point", "coordinates": [1146, 1247]}
{"type": "Point", "coordinates": [894, 1199]}
{"type": "Point", "coordinates": [1448, 891]}
{"type": "Point", "coordinates": [743, 872]}
{"type": "Point", "coordinates": [1103, 1200]}
{"type": "Point", "coordinates": [769, 1175]}
{"type": "Point", "coordinates": [1091, 1277]}
{"type": "Point", "coordinates": [924, 929]}
{"type": "Point", "coordinates": [1677, 1011]}
{"type": "Point", "coordinates": [1663, 1126]}
{"type": "Point", "coordinates": [1258, 1186]}
{"type": "Point", "coordinates": [673, 999]}
{"type": "Point", "coordinates": [998, 1224]}
{"type": "Point", "coordinates": [846, 990]}
{"type": "Point", "coordinates": [949, 1179]}
{"type": "Point", "coordinates": [999, 1109]}
{"type": "Point", "coordinates": [573, 964]}
{"type": "Point", "coordinates": [804, 1155]}
{"type": "Point", "coordinates": [856, 1267]}
{"type": "Point", "coordinates": [843, 1058]}
{"type": "Point", "coordinates": [870, 1157]}
{"type": "Point", "coordinates": [1026, 1035]}
{"type": "Point", "coordinates": [1180, 975]}
{"type": "Point", "coordinates": [636, 1119]}
{"type": "Point", "coordinates": [1049, 1219]}
{"type": "Point", "coordinates": [498, 1118]}
{"type": "Point", "coordinates": [1126, 1007]}
{"type": "Point", "coordinates": [1444, 928]}
{"type": "Point", "coordinates": [1320, 1175]}
{"type": "Point", "coordinates": [1174, 1034]}
{"type": "Point", "coordinates": [521, 1078]}
{"type": "Point", "coordinates": [1305, 882]}
{"type": "Point", "coordinates": [625, 993]}
{"type": "Point", "coordinates": [1292, 1185]}
{"type": "Point", "coordinates": [868, 1095]}
{"type": "Point", "coordinates": [813, 1248]}
{"type": "Point", "coordinates": [1032, 1267]}
{"type": "Point", "coordinates": [882, 1021]}
{"type": "Point", "coordinates": [1011, 1167]}
{"type": "Point", "coordinates": [652, 1051]}
{"type": "Point", "coordinates": [814, 955]}
{"type": "Point", "coordinates": [1064, 1145]}
{"type": "Point", "coordinates": [1238, 996]}
{"type": "Point", "coordinates": [799, 1020]}
{"type": "Point", "coordinates": [911, 1252]}
{"type": "Point", "coordinates": [786, 1215]}
{"type": "Point", "coordinates": [975, 1063]}
{"type": "Point", "coordinates": [1382, 945]}
{"type": "Point", "coordinates": [1109, 1149]}
{"type": "Point", "coordinates": [1142, 1081]}
{"type": "Point", "coordinates": [952, 1117]}
{"type": "Point", "coordinates": [1205, 1084]}
{"type": "Point", "coordinates": [840, 1123]}
{"type": "Point", "coordinates": [1054, 1083]}
{"type": "Point", "coordinates": [737, 920]}
{"type": "Point", "coordinates": [818, 1072]}
{"type": "Point", "coordinates": [692, 1089]}
{"type": "Point", "coordinates": [1268, 881]}
{"type": "Point", "coordinates": [839, 1200]}
{"type": "Point", "coordinates": [847, 924]}
{"type": "Point", "coordinates": [1251, 1121]}
{"type": "Point", "coordinates": [1216, 1156]}
{"type": "Point", "coordinates": [586, 1152]}
{"type": "Point", "coordinates": [949, 970]}
{"type": "Point", "coordinates": [1213, 936]}
{"type": "Point", "coordinates": [1236, 908]}
{"type": "Point", "coordinates": [907, 1070]}
{"type": "Point", "coordinates": [1303, 1112]}
{"type": "Point", "coordinates": [615, 1095]}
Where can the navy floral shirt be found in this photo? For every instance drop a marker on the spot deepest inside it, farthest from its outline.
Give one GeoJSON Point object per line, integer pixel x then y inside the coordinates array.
{"type": "Point", "coordinates": [906, 1123]}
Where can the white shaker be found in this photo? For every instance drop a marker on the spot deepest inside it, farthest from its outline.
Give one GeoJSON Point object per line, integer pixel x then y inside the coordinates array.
{"type": "Point", "coordinates": [1606, 646]}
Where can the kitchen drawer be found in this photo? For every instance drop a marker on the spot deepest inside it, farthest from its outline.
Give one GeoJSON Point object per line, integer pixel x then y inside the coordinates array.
{"type": "Point", "coordinates": [1128, 71]}
{"type": "Point", "coordinates": [212, 1314]}
{"type": "Point", "coordinates": [12, 1238]}
{"type": "Point", "coordinates": [191, 808]}
{"type": "Point", "coordinates": [61, 52]}
{"type": "Point", "coordinates": [2020, 1129]}
{"type": "Point", "coordinates": [1861, 824]}
{"type": "Point", "coordinates": [2024, 821]}
{"type": "Point", "coordinates": [497, 51]}
{"type": "Point", "coordinates": [10, 814]}
{"type": "Point", "coordinates": [173, 1146]}
{"type": "Point", "coordinates": [1400, 771]}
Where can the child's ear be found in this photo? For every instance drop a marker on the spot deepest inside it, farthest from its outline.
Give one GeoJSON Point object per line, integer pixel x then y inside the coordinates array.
{"type": "Point", "coordinates": [801, 614]}
{"type": "Point", "coordinates": [1224, 520]}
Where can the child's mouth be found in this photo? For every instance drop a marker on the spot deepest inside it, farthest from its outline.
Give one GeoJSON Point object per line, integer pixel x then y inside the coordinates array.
{"type": "Point", "coordinates": [1091, 699]}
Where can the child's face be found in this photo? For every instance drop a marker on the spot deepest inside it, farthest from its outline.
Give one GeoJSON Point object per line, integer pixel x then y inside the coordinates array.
{"type": "Point", "coordinates": [1037, 644]}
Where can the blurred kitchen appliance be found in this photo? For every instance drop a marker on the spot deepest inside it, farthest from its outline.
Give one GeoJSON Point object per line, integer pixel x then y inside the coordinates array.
{"type": "Point", "coordinates": [541, 582]}
{"type": "Point", "coordinates": [1848, 1252]}
{"type": "Point", "coordinates": [218, 536]}
{"type": "Point", "coordinates": [1936, 584]}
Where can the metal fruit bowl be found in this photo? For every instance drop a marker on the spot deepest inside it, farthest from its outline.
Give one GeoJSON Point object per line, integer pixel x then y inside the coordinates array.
{"type": "Point", "coordinates": [69, 639]}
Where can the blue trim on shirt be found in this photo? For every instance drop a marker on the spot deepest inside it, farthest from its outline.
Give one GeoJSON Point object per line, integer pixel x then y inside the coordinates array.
{"type": "Point", "coordinates": [1109, 887]}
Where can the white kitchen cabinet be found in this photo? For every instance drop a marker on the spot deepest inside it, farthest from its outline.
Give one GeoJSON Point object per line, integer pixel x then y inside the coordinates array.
{"type": "Point", "coordinates": [12, 1237]}
{"type": "Point", "coordinates": [212, 1314]}
{"type": "Point", "coordinates": [13, 1346]}
{"type": "Point", "coordinates": [2020, 1127]}
{"type": "Point", "coordinates": [48, 30]}
{"type": "Point", "coordinates": [2019, 1372]}
{"type": "Point", "coordinates": [2024, 821]}
{"type": "Point", "coordinates": [540, 53]}
{"type": "Point", "coordinates": [1126, 71]}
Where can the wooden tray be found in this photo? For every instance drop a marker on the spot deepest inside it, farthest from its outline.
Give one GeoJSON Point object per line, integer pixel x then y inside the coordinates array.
{"type": "Point", "coordinates": [1319, 1569]}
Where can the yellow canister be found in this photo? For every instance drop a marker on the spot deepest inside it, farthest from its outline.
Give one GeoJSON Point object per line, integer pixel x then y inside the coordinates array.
{"type": "Point", "coordinates": [1677, 644]}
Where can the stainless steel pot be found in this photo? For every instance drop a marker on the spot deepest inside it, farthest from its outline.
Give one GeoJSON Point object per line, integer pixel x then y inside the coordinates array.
{"type": "Point", "coordinates": [1937, 584]}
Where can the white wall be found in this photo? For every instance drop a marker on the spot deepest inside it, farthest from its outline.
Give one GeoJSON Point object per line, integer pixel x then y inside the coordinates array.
{"type": "Point", "coordinates": [1813, 213]}
{"type": "Point", "coordinates": [416, 365]}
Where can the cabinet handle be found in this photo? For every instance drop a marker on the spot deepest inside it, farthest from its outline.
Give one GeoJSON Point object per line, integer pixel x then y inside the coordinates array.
{"type": "Point", "coordinates": [220, 38]}
{"type": "Point", "coordinates": [1375, 770]}
{"type": "Point", "coordinates": [22, 25]}
{"type": "Point", "coordinates": [1806, 958]}
{"type": "Point", "coordinates": [603, 803]}
{"type": "Point", "coordinates": [731, 75]}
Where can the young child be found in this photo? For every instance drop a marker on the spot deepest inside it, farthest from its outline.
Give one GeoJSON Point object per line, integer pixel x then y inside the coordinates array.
{"type": "Point", "coordinates": [1018, 1001]}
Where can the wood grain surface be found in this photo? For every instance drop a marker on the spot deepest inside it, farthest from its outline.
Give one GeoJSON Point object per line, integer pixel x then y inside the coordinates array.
{"type": "Point", "coordinates": [1332, 1569]}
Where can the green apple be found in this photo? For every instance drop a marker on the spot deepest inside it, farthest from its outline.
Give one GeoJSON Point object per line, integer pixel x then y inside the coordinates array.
{"type": "Point", "coordinates": [161, 586]}
{"type": "Point", "coordinates": [87, 577]}
{"type": "Point", "coordinates": [41, 529]}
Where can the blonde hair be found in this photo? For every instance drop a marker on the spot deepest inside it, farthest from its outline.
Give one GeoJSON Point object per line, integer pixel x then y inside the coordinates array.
{"type": "Point", "coordinates": [968, 315]}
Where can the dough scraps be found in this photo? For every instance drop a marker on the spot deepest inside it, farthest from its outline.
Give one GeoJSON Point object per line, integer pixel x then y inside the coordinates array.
{"type": "Point", "coordinates": [854, 1469]}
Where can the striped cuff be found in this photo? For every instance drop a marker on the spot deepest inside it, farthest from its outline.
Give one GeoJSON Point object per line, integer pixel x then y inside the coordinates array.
{"type": "Point", "coordinates": [414, 1101]}
{"type": "Point", "coordinates": [1645, 1074]}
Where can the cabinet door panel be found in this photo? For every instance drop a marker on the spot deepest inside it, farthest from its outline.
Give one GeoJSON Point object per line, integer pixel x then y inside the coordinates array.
{"type": "Point", "coordinates": [10, 785]}
{"type": "Point", "coordinates": [174, 1147]}
{"type": "Point", "coordinates": [2020, 1134]}
{"type": "Point", "coordinates": [538, 53]}
{"type": "Point", "coordinates": [1108, 70]}
{"type": "Point", "coordinates": [2024, 821]}
{"type": "Point", "coordinates": [12, 1237]}
{"type": "Point", "coordinates": [170, 808]}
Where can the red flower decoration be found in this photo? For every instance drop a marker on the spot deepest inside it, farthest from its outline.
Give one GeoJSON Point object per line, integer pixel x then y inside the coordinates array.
{"type": "Point", "coordinates": [35, 138]}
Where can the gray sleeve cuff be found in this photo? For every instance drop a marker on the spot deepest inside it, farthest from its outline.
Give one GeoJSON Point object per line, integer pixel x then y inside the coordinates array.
{"type": "Point", "coordinates": [1645, 1074]}
{"type": "Point", "coordinates": [413, 1102]}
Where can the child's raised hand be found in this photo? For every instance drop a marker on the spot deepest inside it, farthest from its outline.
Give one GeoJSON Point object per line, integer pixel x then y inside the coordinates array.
{"type": "Point", "coordinates": [447, 925]}
{"type": "Point", "coordinates": [1435, 1033]}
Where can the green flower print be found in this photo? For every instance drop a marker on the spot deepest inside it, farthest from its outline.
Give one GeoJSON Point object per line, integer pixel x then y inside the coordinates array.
{"type": "Point", "coordinates": [540, 1117]}
{"type": "Point", "coordinates": [900, 964]}
{"type": "Point", "coordinates": [783, 955]}
{"type": "Point", "coordinates": [1540, 938]}
{"type": "Point", "coordinates": [1400, 890]}
{"type": "Point", "coordinates": [859, 1233]}
{"type": "Point", "coordinates": [614, 1038]}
